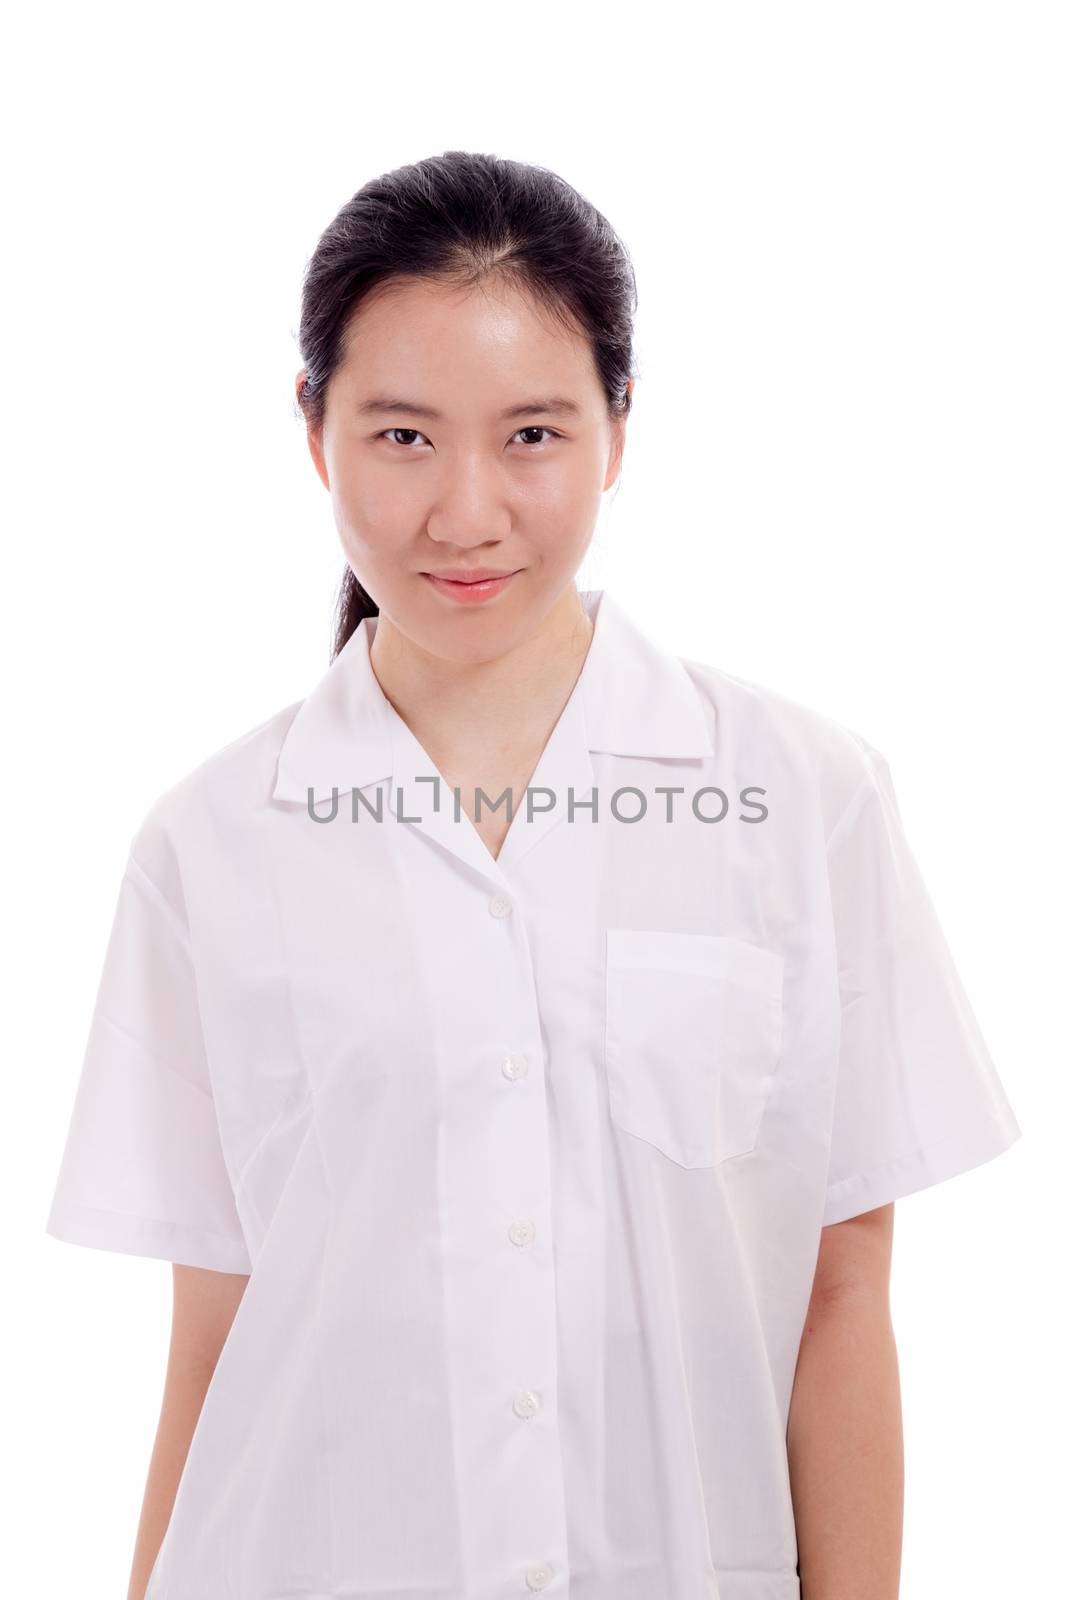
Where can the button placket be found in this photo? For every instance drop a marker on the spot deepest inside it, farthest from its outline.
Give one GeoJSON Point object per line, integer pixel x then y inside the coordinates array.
{"type": "Point", "coordinates": [495, 1149]}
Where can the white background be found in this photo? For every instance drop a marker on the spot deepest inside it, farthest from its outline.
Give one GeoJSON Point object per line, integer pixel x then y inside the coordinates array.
{"type": "Point", "coordinates": [844, 479]}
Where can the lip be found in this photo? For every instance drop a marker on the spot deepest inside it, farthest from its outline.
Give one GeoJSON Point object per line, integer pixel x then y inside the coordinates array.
{"type": "Point", "coordinates": [472, 585]}
{"type": "Point", "coordinates": [471, 574]}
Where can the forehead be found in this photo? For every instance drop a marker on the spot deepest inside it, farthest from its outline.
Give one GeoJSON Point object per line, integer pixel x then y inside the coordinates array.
{"type": "Point", "coordinates": [494, 338]}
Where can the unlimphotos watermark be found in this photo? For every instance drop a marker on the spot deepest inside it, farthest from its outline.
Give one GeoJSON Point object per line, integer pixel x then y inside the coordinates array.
{"type": "Point", "coordinates": [626, 804]}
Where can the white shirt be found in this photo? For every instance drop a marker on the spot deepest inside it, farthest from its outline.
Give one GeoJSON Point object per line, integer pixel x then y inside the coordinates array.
{"type": "Point", "coordinates": [528, 1158]}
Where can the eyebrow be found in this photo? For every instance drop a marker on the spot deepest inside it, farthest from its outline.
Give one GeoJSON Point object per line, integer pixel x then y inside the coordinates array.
{"type": "Point", "coordinates": [554, 405]}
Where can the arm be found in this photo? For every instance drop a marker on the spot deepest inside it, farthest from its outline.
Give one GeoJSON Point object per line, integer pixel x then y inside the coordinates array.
{"type": "Point", "coordinates": [205, 1304]}
{"type": "Point", "coordinates": [844, 1435]}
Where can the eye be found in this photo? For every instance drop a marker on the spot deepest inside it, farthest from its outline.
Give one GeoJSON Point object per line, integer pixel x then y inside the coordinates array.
{"type": "Point", "coordinates": [413, 433]}
{"type": "Point", "coordinates": [537, 428]}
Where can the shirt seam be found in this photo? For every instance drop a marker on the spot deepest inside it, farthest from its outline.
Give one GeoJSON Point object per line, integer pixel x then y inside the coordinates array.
{"type": "Point", "coordinates": [155, 893]}
{"type": "Point", "coordinates": [868, 787]}
{"type": "Point", "coordinates": [156, 1061]}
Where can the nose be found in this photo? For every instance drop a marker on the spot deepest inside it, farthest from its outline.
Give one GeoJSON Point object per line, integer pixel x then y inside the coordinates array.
{"type": "Point", "coordinates": [470, 506]}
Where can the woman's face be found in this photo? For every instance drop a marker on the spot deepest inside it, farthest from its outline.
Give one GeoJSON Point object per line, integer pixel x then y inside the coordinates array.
{"type": "Point", "coordinates": [464, 430]}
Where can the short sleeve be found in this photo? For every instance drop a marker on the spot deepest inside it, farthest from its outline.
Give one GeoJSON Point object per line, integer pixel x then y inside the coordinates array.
{"type": "Point", "coordinates": [917, 1098]}
{"type": "Point", "coordinates": [142, 1170]}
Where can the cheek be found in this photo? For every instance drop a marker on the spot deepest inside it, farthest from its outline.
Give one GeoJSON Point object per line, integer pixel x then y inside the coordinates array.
{"type": "Point", "coordinates": [563, 490]}
{"type": "Point", "coordinates": [372, 508]}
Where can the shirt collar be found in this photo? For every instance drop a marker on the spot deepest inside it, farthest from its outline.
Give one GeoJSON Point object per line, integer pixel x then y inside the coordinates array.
{"type": "Point", "coordinates": [632, 698]}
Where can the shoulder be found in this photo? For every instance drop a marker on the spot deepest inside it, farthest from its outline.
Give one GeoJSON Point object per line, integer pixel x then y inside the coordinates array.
{"type": "Point", "coordinates": [224, 792]}
{"type": "Point", "coordinates": [759, 727]}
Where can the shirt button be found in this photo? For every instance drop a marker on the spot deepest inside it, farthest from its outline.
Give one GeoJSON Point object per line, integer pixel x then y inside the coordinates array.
{"type": "Point", "coordinates": [514, 1067]}
{"type": "Point", "coordinates": [539, 1577]}
{"type": "Point", "coordinates": [500, 906]}
{"type": "Point", "coordinates": [522, 1232]}
{"type": "Point", "coordinates": [526, 1403]}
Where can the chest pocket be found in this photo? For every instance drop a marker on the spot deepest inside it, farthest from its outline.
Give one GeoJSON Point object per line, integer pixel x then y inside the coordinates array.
{"type": "Point", "coordinates": [693, 1039]}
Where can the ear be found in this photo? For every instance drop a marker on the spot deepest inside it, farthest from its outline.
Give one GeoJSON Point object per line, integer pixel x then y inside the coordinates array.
{"type": "Point", "coordinates": [314, 436]}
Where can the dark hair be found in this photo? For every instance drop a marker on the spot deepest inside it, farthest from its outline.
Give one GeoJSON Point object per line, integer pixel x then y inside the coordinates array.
{"type": "Point", "coordinates": [461, 217]}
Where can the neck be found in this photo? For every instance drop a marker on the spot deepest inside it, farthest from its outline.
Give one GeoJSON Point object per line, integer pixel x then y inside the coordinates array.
{"type": "Point", "coordinates": [507, 704]}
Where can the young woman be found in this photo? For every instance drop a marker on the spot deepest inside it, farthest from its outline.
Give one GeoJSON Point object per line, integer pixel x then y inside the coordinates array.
{"type": "Point", "coordinates": [518, 1044]}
